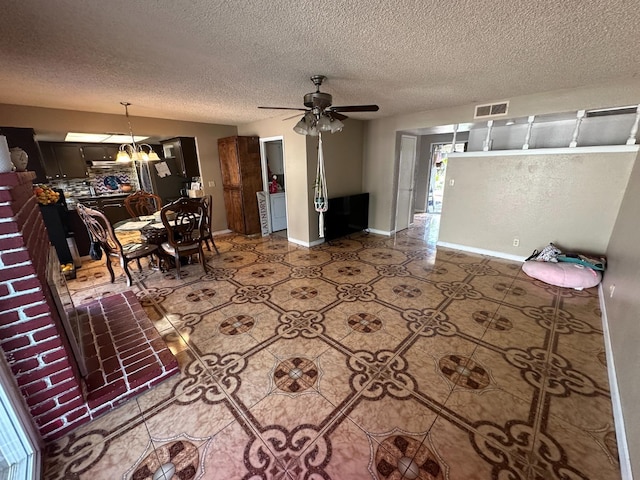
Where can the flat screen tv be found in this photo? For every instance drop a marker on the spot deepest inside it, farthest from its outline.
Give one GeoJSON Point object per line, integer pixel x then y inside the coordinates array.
{"type": "Point", "coordinates": [346, 215]}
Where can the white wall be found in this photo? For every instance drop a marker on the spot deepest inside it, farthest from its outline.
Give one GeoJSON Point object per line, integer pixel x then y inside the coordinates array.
{"type": "Point", "coordinates": [570, 199]}
{"type": "Point", "coordinates": [623, 310]}
{"type": "Point", "coordinates": [380, 147]}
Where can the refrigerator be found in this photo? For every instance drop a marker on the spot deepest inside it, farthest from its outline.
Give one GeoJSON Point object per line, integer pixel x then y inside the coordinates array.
{"type": "Point", "coordinates": [163, 177]}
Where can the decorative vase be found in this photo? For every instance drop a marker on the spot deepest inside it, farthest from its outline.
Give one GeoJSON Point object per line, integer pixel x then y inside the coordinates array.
{"type": "Point", "coordinates": [5, 156]}
{"type": "Point", "coordinates": [19, 158]}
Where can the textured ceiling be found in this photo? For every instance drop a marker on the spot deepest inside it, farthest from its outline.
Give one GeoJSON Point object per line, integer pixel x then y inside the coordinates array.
{"type": "Point", "coordinates": [215, 61]}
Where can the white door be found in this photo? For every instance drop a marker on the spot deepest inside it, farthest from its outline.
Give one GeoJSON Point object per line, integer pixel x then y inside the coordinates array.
{"type": "Point", "coordinates": [278, 212]}
{"type": "Point", "coordinates": [406, 170]}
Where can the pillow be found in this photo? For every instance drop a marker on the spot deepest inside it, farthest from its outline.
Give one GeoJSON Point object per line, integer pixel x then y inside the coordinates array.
{"type": "Point", "coordinates": [570, 275]}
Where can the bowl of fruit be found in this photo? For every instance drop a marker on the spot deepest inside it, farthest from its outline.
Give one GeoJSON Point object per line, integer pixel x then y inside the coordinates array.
{"type": "Point", "coordinates": [45, 195]}
{"type": "Point", "coordinates": [68, 270]}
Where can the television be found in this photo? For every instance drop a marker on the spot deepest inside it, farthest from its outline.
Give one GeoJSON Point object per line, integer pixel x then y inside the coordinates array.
{"type": "Point", "coordinates": [346, 215]}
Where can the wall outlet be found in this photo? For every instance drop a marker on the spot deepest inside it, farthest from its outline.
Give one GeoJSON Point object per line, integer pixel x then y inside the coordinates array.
{"type": "Point", "coordinates": [612, 288]}
{"type": "Point", "coordinates": [212, 183]}
{"type": "Point", "coordinates": [516, 242]}
{"type": "Point", "coordinates": [451, 182]}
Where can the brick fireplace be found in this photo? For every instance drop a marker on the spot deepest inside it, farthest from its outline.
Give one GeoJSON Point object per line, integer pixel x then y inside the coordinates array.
{"type": "Point", "coordinates": [125, 357]}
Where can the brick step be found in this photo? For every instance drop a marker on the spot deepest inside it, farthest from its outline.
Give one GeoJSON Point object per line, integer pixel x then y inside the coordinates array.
{"type": "Point", "coordinates": [124, 353]}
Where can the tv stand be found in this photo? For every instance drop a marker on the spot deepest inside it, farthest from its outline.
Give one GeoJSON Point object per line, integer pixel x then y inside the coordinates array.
{"type": "Point", "coordinates": [348, 214]}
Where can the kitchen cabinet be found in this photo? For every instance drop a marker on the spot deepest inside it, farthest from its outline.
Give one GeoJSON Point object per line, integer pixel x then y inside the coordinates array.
{"type": "Point", "coordinates": [24, 138]}
{"type": "Point", "coordinates": [63, 160]}
{"type": "Point", "coordinates": [99, 152]}
{"type": "Point", "coordinates": [111, 205]}
{"type": "Point", "coordinates": [183, 151]}
{"type": "Point", "coordinates": [241, 179]}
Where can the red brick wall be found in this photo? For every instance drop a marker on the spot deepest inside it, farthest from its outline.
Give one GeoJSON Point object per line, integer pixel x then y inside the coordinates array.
{"type": "Point", "coordinates": [31, 335]}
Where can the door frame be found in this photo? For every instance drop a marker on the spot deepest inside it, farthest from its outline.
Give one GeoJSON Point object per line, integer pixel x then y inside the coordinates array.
{"type": "Point", "coordinates": [265, 175]}
{"type": "Point", "coordinates": [17, 430]}
{"type": "Point", "coordinates": [413, 180]}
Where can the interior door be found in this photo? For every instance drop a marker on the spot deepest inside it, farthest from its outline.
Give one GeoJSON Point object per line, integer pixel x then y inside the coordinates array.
{"type": "Point", "coordinates": [406, 171]}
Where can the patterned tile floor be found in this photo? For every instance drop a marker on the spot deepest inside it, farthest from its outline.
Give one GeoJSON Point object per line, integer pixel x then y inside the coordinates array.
{"type": "Point", "coordinates": [365, 357]}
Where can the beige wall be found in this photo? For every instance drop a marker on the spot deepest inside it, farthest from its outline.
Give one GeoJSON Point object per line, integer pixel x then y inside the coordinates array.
{"type": "Point", "coordinates": [295, 167]}
{"type": "Point", "coordinates": [48, 120]}
{"type": "Point", "coordinates": [623, 310]}
{"type": "Point", "coordinates": [569, 199]}
{"type": "Point", "coordinates": [381, 156]}
{"type": "Point", "coordinates": [343, 168]}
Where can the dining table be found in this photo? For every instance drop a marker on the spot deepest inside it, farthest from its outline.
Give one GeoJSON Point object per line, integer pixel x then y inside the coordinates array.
{"type": "Point", "coordinates": [146, 229]}
{"type": "Point", "coordinates": [143, 229]}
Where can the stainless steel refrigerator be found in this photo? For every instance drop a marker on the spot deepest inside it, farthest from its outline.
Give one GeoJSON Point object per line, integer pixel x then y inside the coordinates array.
{"type": "Point", "coordinates": [163, 177]}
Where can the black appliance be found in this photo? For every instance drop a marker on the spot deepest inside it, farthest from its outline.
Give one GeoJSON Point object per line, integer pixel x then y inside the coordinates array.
{"type": "Point", "coordinates": [346, 215]}
{"type": "Point", "coordinates": [56, 219]}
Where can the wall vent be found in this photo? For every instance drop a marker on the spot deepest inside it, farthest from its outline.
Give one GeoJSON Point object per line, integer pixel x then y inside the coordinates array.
{"type": "Point", "coordinates": [491, 110]}
{"type": "Point", "coordinates": [604, 112]}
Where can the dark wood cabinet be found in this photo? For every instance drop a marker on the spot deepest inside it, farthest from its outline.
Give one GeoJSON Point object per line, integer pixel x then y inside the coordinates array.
{"type": "Point", "coordinates": [241, 179]}
{"type": "Point", "coordinates": [99, 152]}
{"type": "Point", "coordinates": [24, 138]}
{"type": "Point", "coordinates": [111, 205]}
{"type": "Point", "coordinates": [63, 160]}
{"type": "Point", "coordinates": [183, 151]}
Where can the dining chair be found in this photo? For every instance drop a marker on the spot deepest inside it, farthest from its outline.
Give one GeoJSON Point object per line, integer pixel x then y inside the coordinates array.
{"type": "Point", "coordinates": [207, 231]}
{"type": "Point", "coordinates": [101, 231]}
{"type": "Point", "coordinates": [184, 230]}
{"type": "Point", "coordinates": [142, 203]}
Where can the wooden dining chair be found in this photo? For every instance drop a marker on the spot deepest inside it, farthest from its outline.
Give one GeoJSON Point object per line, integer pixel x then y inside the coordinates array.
{"type": "Point", "coordinates": [184, 230]}
{"type": "Point", "coordinates": [208, 232]}
{"type": "Point", "coordinates": [142, 203]}
{"type": "Point", "coordinates": [101, 231]}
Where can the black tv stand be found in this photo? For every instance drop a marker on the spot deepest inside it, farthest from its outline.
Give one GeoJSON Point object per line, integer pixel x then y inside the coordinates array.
{"type": "Point", "coordinates": [348, 214]}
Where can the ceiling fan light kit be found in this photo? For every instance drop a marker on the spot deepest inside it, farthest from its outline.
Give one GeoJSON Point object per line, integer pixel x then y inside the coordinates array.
{"type": "Point", "coordinates": [319, 115]}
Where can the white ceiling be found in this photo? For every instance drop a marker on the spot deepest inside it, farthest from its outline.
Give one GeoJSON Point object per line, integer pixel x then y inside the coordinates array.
{"type": "Point", "coordinates": [215, 61]}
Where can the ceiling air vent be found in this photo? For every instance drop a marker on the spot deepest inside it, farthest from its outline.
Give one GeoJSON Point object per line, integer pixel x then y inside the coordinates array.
{"type": "Point", "coordinates": [491, 110]}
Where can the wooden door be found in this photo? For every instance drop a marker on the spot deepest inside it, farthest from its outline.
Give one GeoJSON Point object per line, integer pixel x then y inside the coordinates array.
{"type": "Point", "coordinates": [229, 162]}
{"type": "Point", "coordinates": [234, 209]}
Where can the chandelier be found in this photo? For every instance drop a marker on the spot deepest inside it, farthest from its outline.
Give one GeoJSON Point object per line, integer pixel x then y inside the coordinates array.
{"type": "Point", "coordinates": [315, 121]}
{"type": "Point", "coordinates": [133, 151]}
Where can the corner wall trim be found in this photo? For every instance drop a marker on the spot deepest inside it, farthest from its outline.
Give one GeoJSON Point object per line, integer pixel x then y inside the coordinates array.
{"type": "Point", "coordinates": [380, 232]}
{"type": "Point", "coordinates": [320, 241]}
{"type": "Point", "coordinates": [618, 419]}
{"type": "Point", "coordinates": [481, 251]}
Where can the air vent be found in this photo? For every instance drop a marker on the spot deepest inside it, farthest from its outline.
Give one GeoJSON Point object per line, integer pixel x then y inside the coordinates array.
{"type": "Point", "coordinates": [604, 112]}
{"type": "Point", "coordinates": [491, 110]}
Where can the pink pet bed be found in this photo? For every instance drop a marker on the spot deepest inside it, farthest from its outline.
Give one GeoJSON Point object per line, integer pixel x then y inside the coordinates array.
{"type": "Point", "coordinates": [562, 274]}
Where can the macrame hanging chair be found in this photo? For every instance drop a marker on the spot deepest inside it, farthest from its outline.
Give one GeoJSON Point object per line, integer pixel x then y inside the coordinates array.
{"type": "Point", "coordinates": [320, 197]}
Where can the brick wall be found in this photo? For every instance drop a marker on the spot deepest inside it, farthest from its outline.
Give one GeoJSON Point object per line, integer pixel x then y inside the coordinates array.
{"type": "Point", "coordinates": [31, 335]}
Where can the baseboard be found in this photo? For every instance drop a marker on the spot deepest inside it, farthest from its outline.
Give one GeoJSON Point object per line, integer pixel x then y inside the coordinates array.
{"type": "Point", "coordinates": [481, 251]}
{"type": "Point", "coordinates": [380, 232]}
{"type": "Point", "coordinates": [320, 241]}
{"type": "Point", "coordinates": [222, 232]}
{"type": "Point", "coordinates": [621, 436]}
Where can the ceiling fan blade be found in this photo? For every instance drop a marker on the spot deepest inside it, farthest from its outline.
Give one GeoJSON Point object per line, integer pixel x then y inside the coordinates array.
{"type": "Point", "coordinates": [338, 116]}
{"type": "Point", "coordinates": [356, 108]}
{"type": "Point", "coordinates": [292, 116]}
{"type": "Point", "coordinates": [284, 108]}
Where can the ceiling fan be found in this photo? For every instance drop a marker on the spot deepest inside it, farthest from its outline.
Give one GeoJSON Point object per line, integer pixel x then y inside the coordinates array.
{"type": "Point", "coordinates": [320, 114]}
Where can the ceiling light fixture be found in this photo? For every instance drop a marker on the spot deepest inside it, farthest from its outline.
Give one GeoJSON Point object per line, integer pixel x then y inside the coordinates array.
{"type": "Point", "coordinates": [316, 121]}
{"type": "Point", "coordinates": [133, 151]}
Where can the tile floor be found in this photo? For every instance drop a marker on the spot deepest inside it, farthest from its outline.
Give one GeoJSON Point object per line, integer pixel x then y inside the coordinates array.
{"type": "Point", "coordinates": [366, 357]}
